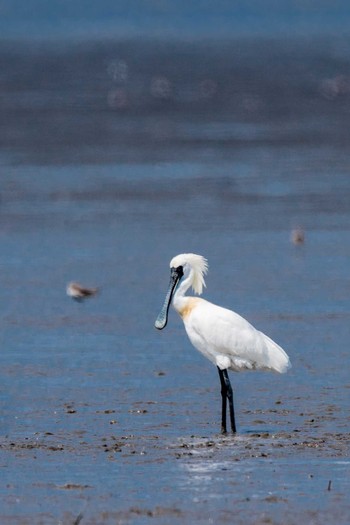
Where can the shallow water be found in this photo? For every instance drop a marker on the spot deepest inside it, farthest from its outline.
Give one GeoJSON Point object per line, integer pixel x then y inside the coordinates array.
{"type": "Point", "coordinates": [103, 418]}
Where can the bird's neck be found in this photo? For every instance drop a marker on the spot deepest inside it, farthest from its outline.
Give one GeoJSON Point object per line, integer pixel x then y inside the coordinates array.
{"type": "Point", "coordinates": [180, 299]}
{"type": "Point", "coordinates": [184, 306]}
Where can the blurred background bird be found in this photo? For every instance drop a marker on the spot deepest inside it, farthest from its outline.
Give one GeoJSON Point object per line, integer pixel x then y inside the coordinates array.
{"type": "Point", "coordinates": [297, 236]}
{"type": "Point", "coordinates": [78, 292]}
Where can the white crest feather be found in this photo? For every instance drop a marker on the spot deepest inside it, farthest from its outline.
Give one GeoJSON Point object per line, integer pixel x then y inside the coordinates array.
{"type": "Point", "coordinates": [198, 265]}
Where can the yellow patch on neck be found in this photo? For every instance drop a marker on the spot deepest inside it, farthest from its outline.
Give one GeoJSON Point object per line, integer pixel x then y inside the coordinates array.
{"type": "Point", "coordinates": [188, 306]}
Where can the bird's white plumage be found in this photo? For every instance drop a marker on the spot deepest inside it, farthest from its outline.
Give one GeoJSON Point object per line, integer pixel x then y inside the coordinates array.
{"type": "Point", "coordinates": [223, 336]}
{"type": "Point", "coordinates": [229, 341]}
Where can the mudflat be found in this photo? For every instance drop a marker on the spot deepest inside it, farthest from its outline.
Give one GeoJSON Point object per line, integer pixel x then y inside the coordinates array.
{"type": "Point", "coordinates": [116, 158]}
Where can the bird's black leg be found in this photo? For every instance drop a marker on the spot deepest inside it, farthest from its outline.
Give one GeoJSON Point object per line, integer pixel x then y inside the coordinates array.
{"type": "Point", "coordinates": [229, 394]}
{"type": "Point", "coordinates": [226, 392]}
{"type": "Point", "coordinates": [223, 398]}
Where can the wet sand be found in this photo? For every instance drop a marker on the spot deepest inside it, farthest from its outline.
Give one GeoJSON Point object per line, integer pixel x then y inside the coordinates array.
{"type": "Point", "coordinates": [104, 419]}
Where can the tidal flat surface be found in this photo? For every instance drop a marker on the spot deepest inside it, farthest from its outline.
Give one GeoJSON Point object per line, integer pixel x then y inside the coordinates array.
{"type": "Point", "coordinates": [117, 158]}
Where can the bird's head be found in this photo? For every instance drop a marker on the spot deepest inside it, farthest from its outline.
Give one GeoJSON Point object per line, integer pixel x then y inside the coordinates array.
{"type": "Point", "coordinates": [183, 267]}
{"type": "Point", "coordinates": [193, 266]}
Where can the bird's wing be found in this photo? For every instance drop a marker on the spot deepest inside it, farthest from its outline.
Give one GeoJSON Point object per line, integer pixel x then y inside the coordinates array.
{"type": "Point", "coordinates": [218, 331]}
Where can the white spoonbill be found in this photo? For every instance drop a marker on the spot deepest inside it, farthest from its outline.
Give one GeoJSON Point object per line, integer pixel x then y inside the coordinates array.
{"type": "Point", "coordinates": [223, 336]}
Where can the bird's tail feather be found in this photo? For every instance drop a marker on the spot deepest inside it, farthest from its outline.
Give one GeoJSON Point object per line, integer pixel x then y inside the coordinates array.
{"type": "Point", "coordinates": [278, 360]}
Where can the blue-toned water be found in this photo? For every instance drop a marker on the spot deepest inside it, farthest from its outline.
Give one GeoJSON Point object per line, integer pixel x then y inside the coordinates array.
{"type": "Point", "coordinates": [122, 18]}
{"type": "Point", "coordinates": [115, 156]}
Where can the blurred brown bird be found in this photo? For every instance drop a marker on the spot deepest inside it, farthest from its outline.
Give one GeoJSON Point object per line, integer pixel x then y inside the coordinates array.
{"type": "Point", "coordinates": [297, 236]}
{"type": "Point", "coordinates": [78, 292]}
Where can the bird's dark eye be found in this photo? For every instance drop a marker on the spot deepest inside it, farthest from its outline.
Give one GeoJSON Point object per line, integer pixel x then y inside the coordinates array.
{"type": "Point", "coordinates": [179, 271]}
